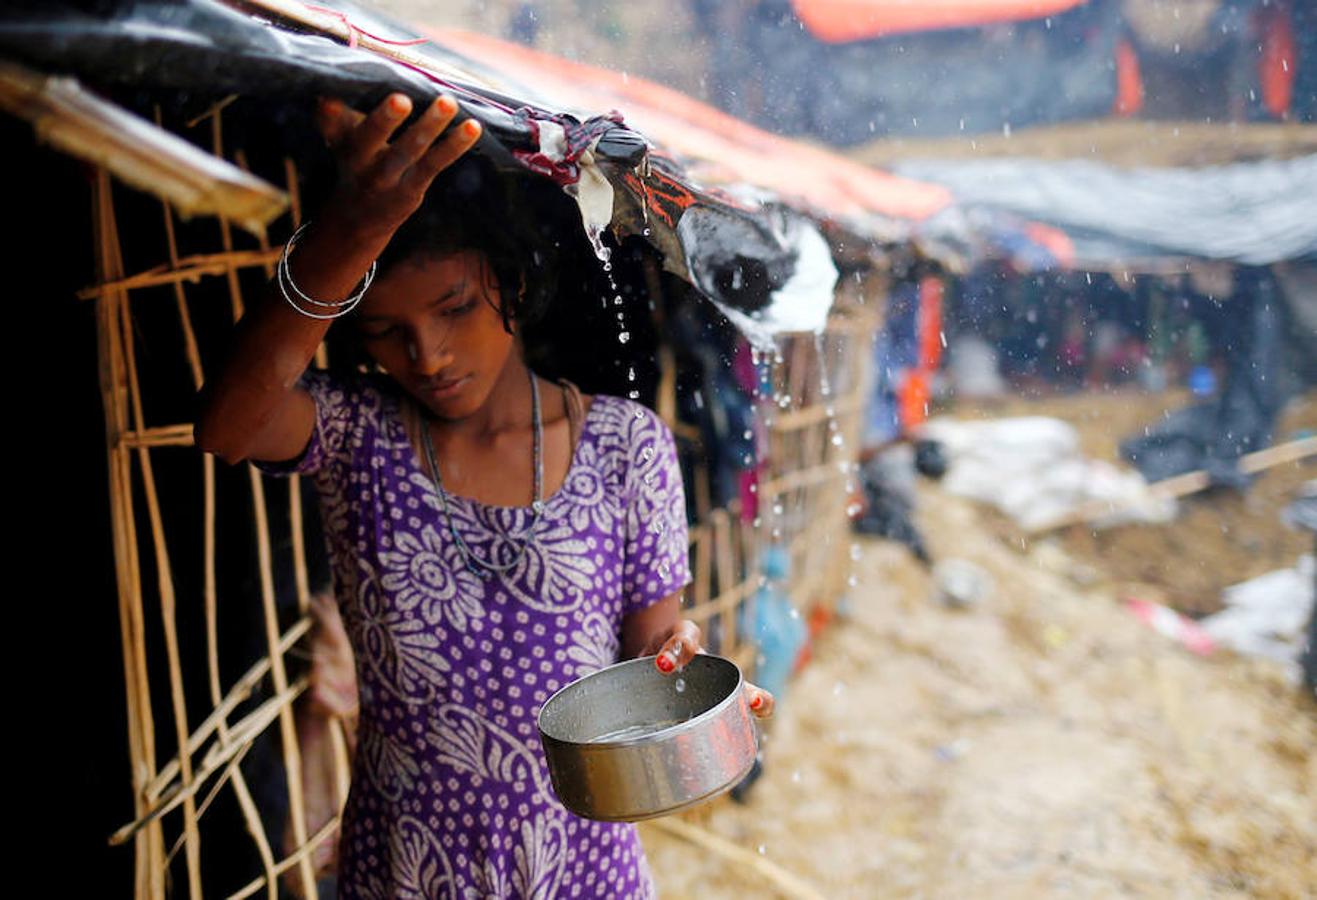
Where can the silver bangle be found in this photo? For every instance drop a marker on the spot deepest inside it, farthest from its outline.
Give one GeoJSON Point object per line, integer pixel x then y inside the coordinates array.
{"type": "Point", "coordinates": [284, 278]}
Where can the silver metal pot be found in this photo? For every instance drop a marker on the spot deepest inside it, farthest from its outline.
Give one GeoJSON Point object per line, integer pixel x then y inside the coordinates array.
{"type": "Point", "coordinates": [627, 743]}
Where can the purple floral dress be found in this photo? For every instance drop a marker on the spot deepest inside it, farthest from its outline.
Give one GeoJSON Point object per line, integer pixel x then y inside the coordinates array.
{"type": "Point", "coordinates": [450, 792]}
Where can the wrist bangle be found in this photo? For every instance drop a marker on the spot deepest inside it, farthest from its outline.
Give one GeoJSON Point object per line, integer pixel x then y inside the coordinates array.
{"type": "Point", "coordinates": [284, 278]}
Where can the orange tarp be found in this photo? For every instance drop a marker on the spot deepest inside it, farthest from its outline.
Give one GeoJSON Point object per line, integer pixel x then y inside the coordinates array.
{"type": "Point", "coordinates": [714, 147]}
{"type": "Point", "coordinates": [839, 21]}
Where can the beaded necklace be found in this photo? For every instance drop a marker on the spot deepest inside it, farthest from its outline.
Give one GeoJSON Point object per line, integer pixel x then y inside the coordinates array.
{"type": "Point", "coordinates": [487, 568]}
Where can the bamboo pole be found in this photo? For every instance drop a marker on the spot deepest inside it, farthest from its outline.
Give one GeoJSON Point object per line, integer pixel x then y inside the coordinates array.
{"type": "Point", "coordinates": [165, 587]}
{"type": "Point", "coordinates": [326, 21]}
{"type": "Point", "coordinates": [151, 159]}
{"type": "Point", "coordinates": [728, 581]}
{"type": "Point", "coordinates": [785, 882]}
{"type": "Point", "coordinates": [1186, 484]}
{"type": "Point", "coordinates": [215, 790]}
{"type": "Point", "coordinates": [298, 857]}
{"type": "Point", "coordinates": [726, 601]}
{"type": "Point", "coordinates": [149, 846]}
{"type": "Point", "coordinates": [252, 816]}
{"type": "Point", "coordinates": [161, 436]}
{"type": "Point", "coordinates": [800, 478]}
{"type": "Point", "coordinates": [190, 269]}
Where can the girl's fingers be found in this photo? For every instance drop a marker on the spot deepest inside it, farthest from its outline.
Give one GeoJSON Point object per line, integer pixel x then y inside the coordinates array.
{"type": "Point", "coordinates": [336, 120]}
{"type": "Point", "coordinates": [365, 142]}
{"type": "Point", "coordinates": [760, 701]}
{"type": "Point", "coordinates": [679, 649]}
{"type": "Point", "coordinates": [412, 144]}
{"type": "Point", "coordinates": [442, 155]}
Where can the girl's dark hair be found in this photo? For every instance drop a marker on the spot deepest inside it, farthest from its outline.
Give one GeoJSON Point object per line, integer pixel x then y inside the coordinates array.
{"type": "Point", "coordinates": [471, 208]}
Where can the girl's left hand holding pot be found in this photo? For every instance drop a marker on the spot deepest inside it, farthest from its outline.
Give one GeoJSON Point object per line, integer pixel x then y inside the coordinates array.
{"type": "Point", "coordinates": [678, 646]}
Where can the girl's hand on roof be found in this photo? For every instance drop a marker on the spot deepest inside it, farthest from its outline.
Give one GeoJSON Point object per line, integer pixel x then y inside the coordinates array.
{"type": "Point", "coordinates": [678, 647]}
{"type": "Point", "coordinates": [383, 176]}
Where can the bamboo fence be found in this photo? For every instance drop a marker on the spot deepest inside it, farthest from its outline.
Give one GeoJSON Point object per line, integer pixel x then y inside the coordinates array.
{"type": "Point", "coordinates": [812, 452]}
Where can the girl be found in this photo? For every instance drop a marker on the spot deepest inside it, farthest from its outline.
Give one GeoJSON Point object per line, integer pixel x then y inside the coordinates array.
{"type": "Point", "coordinates": [493, 535]}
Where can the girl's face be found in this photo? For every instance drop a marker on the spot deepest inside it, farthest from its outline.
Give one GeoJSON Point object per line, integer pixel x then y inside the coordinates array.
{"type": "Point", "coordinates": [432, 323]}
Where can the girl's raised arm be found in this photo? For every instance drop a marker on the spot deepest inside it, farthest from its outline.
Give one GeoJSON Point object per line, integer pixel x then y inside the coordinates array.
{"type": "Point", "coordinates": [253, 408]}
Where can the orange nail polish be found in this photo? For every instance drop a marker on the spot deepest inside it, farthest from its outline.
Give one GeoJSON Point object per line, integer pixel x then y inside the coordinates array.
{"type": "Point", "coordinates": [398, 103]}
{"type": "Point", "coordinates": [757, 702]}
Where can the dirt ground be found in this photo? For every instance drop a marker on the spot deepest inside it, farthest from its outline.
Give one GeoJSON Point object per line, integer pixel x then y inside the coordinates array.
{"type": "Point", "coordinates": [1042, 743]}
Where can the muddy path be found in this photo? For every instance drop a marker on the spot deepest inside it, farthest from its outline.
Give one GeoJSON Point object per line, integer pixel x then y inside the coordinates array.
{"type": "Point", "coordinates": [1042, 743]}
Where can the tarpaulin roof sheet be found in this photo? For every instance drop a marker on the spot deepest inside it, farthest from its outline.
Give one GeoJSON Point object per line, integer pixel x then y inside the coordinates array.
{"type": "Point", "coordinates": [715, 147]}
{"type": "Point", "coordinates": [842, 21]}
{"type": "Point", "coordinates": [1255, 213]}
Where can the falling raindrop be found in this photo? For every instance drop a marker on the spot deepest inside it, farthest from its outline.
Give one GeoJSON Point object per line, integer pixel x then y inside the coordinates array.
{"type": "Point", "coordinates": [623, 337]}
